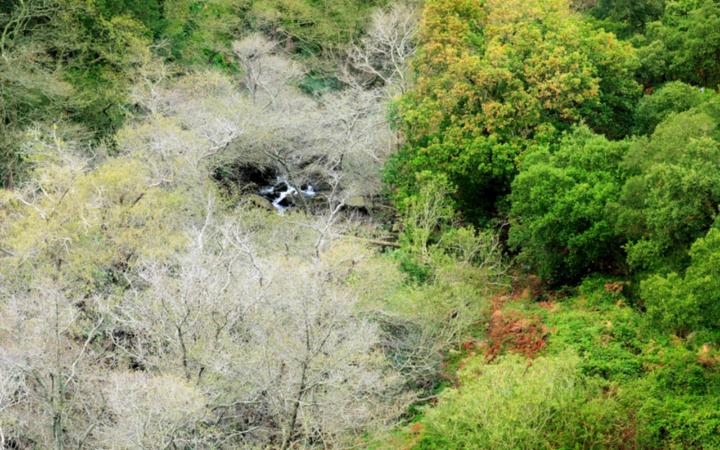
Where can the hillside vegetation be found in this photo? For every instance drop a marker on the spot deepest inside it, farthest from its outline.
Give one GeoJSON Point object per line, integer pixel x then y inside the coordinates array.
{"type": "Point", "coordinates": [449, 224]}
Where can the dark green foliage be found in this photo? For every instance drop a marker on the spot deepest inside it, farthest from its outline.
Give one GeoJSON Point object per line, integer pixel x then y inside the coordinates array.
{"type": "Point", "coordinates": [64, 60]}
{"type": "Point", "coordinates": [626, 18]}
{"type": "Point", "coordinates": [611, 114]}
{"type": "Point", "coordinates": [678, 421]}
{"type": "Point", "coordinates": [316, 83]}
{"type": "Point", "coordinates": [684, 44]}
{"type": "Point", "coordinates": [671, 197]}
{"type": "Point", "coordinates": [560, 207]}
{"type": "Point", "coordinates": [148, 12]}
{"type": "Point", "coordinates": [668, 391]}
{"type": "Point", "coordinates": [481, 168]}
{"type": "Point", "coordinates": [673, 97]}
{"type": "Point", "coordinates": [686, 303]}
{"type": "Point", "coordinates": [199, 33]}
{"type": "Point", "coordinates": [583, 205]}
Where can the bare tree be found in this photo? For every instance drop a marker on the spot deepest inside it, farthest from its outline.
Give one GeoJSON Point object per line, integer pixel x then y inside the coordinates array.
{"type": "Point", "coordinates": [384, 51]}
{"type": "Point", "coordinates": [191, 120]}
{"type": "Point", "coordinates": [267, 72]}
{"type": "Point", "coordinates": [162, 320]}
{"type": "Point", "coordinates": [151, 412]}
{"type": "Point", "coordinates": [336, 142]}
{"type": "Point", "coordinates": [276, 345]}
{"type": "Point", "coordinates": [47, 347]}
{"type": "Point", "coordinates": [12, 392]}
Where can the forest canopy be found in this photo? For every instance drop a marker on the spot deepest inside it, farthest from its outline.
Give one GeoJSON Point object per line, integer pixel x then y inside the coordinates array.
{"type": "Point", "coordinates": [449, 224]}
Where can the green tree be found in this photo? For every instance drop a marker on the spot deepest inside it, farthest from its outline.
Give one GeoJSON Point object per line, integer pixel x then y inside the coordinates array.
{"type": "Point", "coordinates": [672, 97]}
{"type": "Point", "coordinates": [561, 220]}
{"type": "Point", "coordinates": [493, 76]}
{"type": "Point", "coordinates": [684, 44]}
{"type": "Point", "coordinates": [687, 303]}
{"type": "Point", "coordinates": [69, 61]}
{"type": "Point", "coordinates": [672, 193]}
{"type": "Point", "coordinates": [64, 61]}
{"type": "Point", "coordinates": [627, 18]}
{"type": "Point", "coordinates": [195, 33]}
{"type": "Point", "coordinates": [150, 13]}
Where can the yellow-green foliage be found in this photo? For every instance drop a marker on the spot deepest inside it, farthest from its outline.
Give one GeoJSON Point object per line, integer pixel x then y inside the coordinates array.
{"type": "Point", "coordinates": [517, 404]}
{"type": "Point", "coordinates": [313, 26]}
{"type": "Point", "coordinates": [88, 224]}
{"type": "Point", "coordinates": [430, 295]}
{"type": "Point", "coordinates": [430, 319]}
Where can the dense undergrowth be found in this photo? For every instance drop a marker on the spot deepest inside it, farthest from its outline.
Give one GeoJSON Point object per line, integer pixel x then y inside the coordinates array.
{"type": "Point", "coordinates": [580, 368]}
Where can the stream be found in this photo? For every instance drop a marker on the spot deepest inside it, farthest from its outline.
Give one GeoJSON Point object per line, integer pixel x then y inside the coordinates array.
{"type": "Point", "coordinates": [282, 194]}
